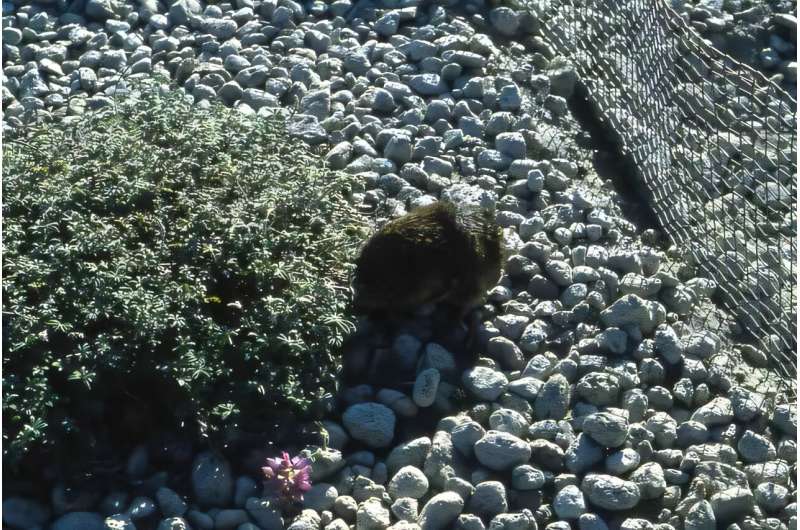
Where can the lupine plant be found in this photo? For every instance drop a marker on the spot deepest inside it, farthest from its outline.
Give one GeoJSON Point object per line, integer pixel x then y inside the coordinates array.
{"type": "Point", "coordinates": [287, 477]}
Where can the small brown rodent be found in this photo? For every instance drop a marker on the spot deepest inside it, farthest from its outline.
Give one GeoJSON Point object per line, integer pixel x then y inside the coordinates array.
{"type": "Point", "coordinates": [439, 253]}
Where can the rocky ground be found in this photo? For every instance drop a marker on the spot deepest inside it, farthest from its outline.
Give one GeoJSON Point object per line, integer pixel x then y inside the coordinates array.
{"type": "Point", "coordinates": [603, 399]}
{"type": "Point", "coordinates": [760, 34]}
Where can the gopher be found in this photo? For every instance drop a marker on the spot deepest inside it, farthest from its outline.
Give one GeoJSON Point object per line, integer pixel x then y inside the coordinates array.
{"type": "Point", "coordinates": [437, 254]}
{"type": "Point", "coordinates": [440, 253]}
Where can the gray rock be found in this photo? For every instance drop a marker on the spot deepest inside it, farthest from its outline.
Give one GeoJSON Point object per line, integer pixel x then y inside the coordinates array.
{"type": "Point", "coordinates": [610, 493]}
{"type": "Point", "coordinates": [325, 464]}
{"type": "Point", "coordinates": [703, 344]}
{"type": "Point", "coordinates": [439, 461]}
{"type": "Point", "coordinates": [489, 499]}
{"type": "Point", "coordinates": [114, 502]}
{"type": "Point", "coordinates": [440, 511]}
{"type": "Point", "coordinates": [486, 384]}
{"type": "Point", "coordinates": [583, 454]}
{"type": "Point", "coordinates": [535, 334]}
{"type": "Point", "coordinates": [379, 100]}
{"type": "Point", "coordinates": [513, 521]}
{"type": "Point", "coordinates": [141, 507]}
{"type": "Point", "coordinates": [746, 404]}
{"type": "Point", "coordinates": [320, 497]}
{"type": "Point", "coordinates": [609, 430]}
{"type": "Point", "coordinates": [506, 353]}
{"type": "Point", "coordinates": [639, 285]}
{"type": "Point", "coordinates": [222, 29]}
{"type": "Point", "coordinates": [179, 523]}
{"type": "Point", "coordinates": [417, 50]}
{"type": "Point", "coordinates": [265, 513]}
{"type": "Point", "coordinates": [230, 518]}
{"type": "Point", "coordinates": [510, 98]}
{"type": "Point", "coordinates": [468, 521]}
{"type": "Point", "coordinates": [668, 344]}
{"type": "Point", "coordinates": [633, 310]}
{"type": "Point", "coordinates": [212, 481]}
{"type": "Point", "coordinates": [398, 149]}
{"type": "Point", "coordinates": [700, 517]}
{"type": "Point", "coordinates": [230, 92]}
{"type": "Point", "coordinates": [553, 399]}
{"type": "Point", "coordinates": [785, 418]}
{"type": "Point", "coordinates": [307, 128]}
{"type": "Point", "coordinates": [510, 325]}
{"type": "Point", "coordinates": [411, 453]}
{"type": "Point", "coordinates": [317, 40]}
{"type": "Point", "coordinates": [505, 21]}
{"type": "Point", "coordinates": [622, 461]}
{"type": "Point", "coordinates": [771, 497]}
{"type": "Point", "coordinates": [732, 504]}
{"type": "Point", "coordinates": [79, 521]}
{"type": "Point", "coordinates": [563, 80]}
{"type": "Point", "coordinates": [500, 450]}
{"type": "Point", "coordinates": [509, 421]}
{"type": "Point", "coordinates": [465, 435]}
{"type": "Point", "coordinates": [19, 512]}
{"type": "Point", "coordinates": [590, 521]}
{"type": "Point", "coordinates": [346, 507]}
{"type": "Point", "coordinates": [181, 10]}
{"type": "Point", "coordinates": [316, 103]}
{"type": "Point", "coordinates": [773, 195]}
{"type": "Point", "coordinates": [464, 58]}
{"type": "Point", "coordinates": [356, 62]}
{"type": "Point", "coordinates": [31, 84]}
{"type": "Point", "coordinates": [119, 522]}
{"type": "Point", "coordinates": [101, 9]}
{"type": "Point", "coordinates": [776, 471]}
{"type": "Point", "coordinates": [256, 76]}
{"type": "Point", "coordinates": [388, 24]}
{"type": "Point", "coordinates": [650, 479]}
{"type": "Point", "coordinates": [64, 500]}
{"type": "Point", "coordinates": [569, 503]}
{"type": "Point", "coordinates": [755, 448]}
{"type": "Point", "coordinates": [372, 515]}
{"type": "Point", "coordinates": [425, 387]}
{"type": "Point", "coordinates": [719, 476]}
{"type": "Point", "coordinates": [526, 387]}
{"type": "Point", "coordinates": [540, 366]}
{"type": "Point", "coordinates": [307, 520]}
{"type": "Point", "coordinates": [718, 411]}
{"type": "Point", "coordinates": [371, 423]}
{"type": "Point", "coordinates": [664, 429]}
{"type": "Point", "coordinates": [244, 488]}
{"type": "Point", "coordinates": [409, 481]}
{"type": "Point", "coordinates": [427, 84]}
{"type": "Point", "coordinates": [339, 155]}
{"type": "Point", "coordinates": [203, 521]}
{"type": "Point", "coordinates": [406, 509]}
{"type": "Point", "coordinates": [511, 144]}
{"type": "Point", "coordinates": [12, 36]}
{"type": "Point", "coordinates": [527, 477]}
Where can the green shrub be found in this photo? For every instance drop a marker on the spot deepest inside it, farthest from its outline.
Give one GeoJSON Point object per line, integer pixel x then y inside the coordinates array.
{"type": "Point", "coordinates": [193, 259]}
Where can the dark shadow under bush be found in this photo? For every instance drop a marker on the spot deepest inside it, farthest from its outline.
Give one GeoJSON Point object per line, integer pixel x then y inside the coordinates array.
{"type": "Point", "coordinates": [163, 263]}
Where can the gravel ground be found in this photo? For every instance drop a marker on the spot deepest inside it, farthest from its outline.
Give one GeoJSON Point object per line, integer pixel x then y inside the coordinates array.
{"type": "Point", "coordinates": [601, 400]}
{"type": "Point", "coordinates": [760, 34]}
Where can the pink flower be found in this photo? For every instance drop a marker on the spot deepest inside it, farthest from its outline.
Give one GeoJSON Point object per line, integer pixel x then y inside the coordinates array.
{"type": "Point", "coordinates": [289, 477]}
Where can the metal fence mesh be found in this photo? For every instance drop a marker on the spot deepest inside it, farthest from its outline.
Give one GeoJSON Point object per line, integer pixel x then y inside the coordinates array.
{"type": "Point", "coordinates": [713, 142]}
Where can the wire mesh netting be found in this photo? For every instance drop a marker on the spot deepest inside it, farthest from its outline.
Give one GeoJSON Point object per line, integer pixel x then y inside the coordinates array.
{"type": "Point", "coordinates": [713, 142]}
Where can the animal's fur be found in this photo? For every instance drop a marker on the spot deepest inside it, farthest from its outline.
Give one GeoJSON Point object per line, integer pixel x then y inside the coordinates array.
{"type": "Point", "coordinates": [436, 253]}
